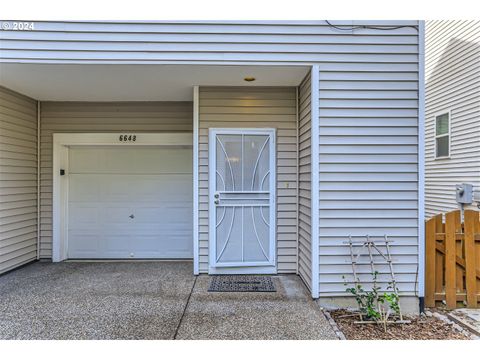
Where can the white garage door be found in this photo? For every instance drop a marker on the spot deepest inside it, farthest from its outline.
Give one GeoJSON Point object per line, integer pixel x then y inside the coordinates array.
{"type": "Point", "coordinates": [130, 202]}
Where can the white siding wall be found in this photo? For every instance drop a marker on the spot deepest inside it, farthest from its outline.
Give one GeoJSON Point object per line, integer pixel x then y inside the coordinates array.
{"type": "Point", "coordinates": [304, 186]}
{"type": "Point", "coordinates": [57, 117]}
{"type": "Point", "coordinates": [276, 42]}
{"type": "Point", "coordinates": [368, 165]}
{"type": "Point", "coordinates": [368, 115]}
{"type": "Point", "coordinates": [18, 179]}
{"type": "Point", "coordinates": [452, 84]}
{"type": "Point", "coordinates": [254, 107]}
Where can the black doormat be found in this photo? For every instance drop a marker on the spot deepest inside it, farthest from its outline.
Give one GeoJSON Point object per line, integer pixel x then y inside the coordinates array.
{"type": "Point", "coordinates": [241, 283]}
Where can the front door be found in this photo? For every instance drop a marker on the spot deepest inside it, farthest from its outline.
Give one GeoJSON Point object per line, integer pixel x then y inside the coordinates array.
{"type": "Point", "coordinates": [242, 199]}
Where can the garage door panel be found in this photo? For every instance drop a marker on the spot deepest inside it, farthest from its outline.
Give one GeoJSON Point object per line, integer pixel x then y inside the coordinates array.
{"type": "Point", "coordinates": [167, 217]}
{"type": "Point", "coordinates": [83, 215]}
{"type": "Point", "coordinates": [117, 188]}
{"type": "Point", "coordinates": [117, 212]}
{"type": "Point", "coordinates": [99, 215]}
{"type": "Point", "coordinates": [83, 245]}
{"type": "Point", "coordinates": [116, 245]}
{"type": "Point", "coordinates": [122, 160]}
{"type": "Point", "coordinates": [167, 188]}
{"type": "Point", "coordinates": [87, 188]}
{"type": "Point", "coordinates": [116, 217]}
{"type": "Point", "coordinates": [174, 244]}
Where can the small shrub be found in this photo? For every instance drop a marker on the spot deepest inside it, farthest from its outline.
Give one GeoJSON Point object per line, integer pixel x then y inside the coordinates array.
{"type": "Point", "coordinates": [367, 300]}
{"type": "Point", "coordinates": [371, 305]}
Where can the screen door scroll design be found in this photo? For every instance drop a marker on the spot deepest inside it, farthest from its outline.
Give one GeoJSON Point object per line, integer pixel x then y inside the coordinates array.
{"type": "Point", "coordinates": [242, 190]}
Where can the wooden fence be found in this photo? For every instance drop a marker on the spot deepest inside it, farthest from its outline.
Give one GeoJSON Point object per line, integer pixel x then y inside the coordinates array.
{"type": "Point", "coordinates": [452, 268]}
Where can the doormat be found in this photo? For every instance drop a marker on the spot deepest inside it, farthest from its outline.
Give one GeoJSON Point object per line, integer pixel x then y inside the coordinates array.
{"type": "Point", "coordinates": [241, 283]}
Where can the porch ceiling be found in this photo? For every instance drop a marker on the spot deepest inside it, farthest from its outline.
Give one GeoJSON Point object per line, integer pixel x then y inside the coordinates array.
{"type": "Point", "coordinates": [58, 82]}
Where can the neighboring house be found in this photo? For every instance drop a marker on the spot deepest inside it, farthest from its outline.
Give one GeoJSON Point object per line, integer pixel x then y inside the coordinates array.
{"type": "Point", "coordinates": [281, 138]}
{"type": "Point", "coordinates": [452, 112]}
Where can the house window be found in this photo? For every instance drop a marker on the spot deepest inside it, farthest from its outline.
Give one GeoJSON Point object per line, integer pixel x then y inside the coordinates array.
{"type": "Point", "coordinates": [442, 135]}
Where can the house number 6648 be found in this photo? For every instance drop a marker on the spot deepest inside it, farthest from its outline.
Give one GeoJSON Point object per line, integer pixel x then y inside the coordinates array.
{"type": "Point", "coordinates": [127, 138]}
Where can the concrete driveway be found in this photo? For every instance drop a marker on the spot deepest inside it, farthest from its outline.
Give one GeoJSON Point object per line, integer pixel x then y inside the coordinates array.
{"type": "Point", "coordinates": [148, 300]}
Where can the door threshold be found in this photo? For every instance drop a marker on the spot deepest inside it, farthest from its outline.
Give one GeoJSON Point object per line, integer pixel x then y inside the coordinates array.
{"type": "Point", "coordinates": [260, 270]}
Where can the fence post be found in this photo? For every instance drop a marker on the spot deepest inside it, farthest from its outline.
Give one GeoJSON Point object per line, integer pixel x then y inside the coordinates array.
{"type": "Point", "coordinates": [470, 268]}
{"type": "Point", "coordinates": [439, 258]}
{"type": "Point", "coordinates": [430, 252]}
{"type": "Point", "coordinates": [450, 260]}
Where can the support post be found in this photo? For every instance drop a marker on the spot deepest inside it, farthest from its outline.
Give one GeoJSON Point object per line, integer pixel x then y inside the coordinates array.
{"type": "Point", "coordinates": [196, 257]}
{"type": "Point", "coordinates": [430, 256]}
{"type": "Point", "coordinates": [450, 261]}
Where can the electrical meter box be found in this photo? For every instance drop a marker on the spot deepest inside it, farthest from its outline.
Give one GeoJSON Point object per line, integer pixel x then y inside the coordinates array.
{"type": "Point", "coordinates": [464, 193]}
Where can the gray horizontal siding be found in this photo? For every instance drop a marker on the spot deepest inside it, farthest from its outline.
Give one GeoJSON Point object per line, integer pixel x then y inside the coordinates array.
{"type": "Point", "coordinates": [58, 117]}
{"type": "Point", "coordinates": [18, 179]}
{"type": "Point", "coordinates": [368, 115]}
{"type": "Point", "coordinates": [452, 63]}
{"type": "Point", "coordinates": [368, 168]}
{"type": "Point", "coordinates": [258, 107]}
{"type": "Point", "coordinates": [213, 42]}
{"type": "Point", "coordinates": [304, 185]}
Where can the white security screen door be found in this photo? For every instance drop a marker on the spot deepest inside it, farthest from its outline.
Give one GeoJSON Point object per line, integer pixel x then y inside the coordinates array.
{"type": "Point", "coordinates": [242, 197]}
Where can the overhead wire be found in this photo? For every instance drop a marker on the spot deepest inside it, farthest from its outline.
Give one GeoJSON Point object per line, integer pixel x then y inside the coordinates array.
{"type": "Point", "coordinates": [356, 27]}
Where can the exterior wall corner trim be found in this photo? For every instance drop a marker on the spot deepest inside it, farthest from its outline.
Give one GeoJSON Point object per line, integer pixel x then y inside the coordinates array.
{"type": "Point", "coordinates": [315, 181]}
{"type": "Point", "coordinates": [421, 159]}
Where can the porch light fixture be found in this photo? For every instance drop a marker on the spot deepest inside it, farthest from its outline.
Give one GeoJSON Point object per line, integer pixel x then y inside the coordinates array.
{"type": "Point", "coordinates": [249, 78]}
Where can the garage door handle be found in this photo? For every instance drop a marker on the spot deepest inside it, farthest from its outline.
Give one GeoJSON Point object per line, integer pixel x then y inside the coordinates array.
{"type": "Point", "coordinates": [131, 216]}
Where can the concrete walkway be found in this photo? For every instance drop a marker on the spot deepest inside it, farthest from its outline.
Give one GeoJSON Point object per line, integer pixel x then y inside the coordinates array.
{"type": "Point", "coordinates": [148, 300]}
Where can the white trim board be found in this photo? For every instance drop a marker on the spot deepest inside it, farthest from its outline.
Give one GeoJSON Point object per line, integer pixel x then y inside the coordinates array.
{"type": "Point", "coordinates": [297, 198]}
{"type": "Point", "coordinates": [99, 139]}
{"type": "Point", "coordinates": [39, 169]}
{"type": "Point", "coordinates": [315, 179]}
{"type": "Point", "coordinates": [269, 267]}
{"type": "Point", "coordinates": [421, 159]}
{"type": "Point", "coordinates": [61, 143]}
{"type": "Point", "coordinates": [196, 243]}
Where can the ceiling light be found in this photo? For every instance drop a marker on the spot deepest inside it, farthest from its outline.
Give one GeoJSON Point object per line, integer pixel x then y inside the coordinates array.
{"type": "Point", "coordinates": [249, 78]}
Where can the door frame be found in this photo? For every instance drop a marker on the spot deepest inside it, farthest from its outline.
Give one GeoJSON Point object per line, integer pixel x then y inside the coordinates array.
{"type": "Point", "coordinates": [61, 143]}
{"type": "Point", "coordinates": [248, 267]}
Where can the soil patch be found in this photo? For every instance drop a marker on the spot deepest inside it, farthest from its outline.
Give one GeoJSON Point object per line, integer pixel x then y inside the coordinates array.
{"type": "Point", "coordinates": [421, 328]}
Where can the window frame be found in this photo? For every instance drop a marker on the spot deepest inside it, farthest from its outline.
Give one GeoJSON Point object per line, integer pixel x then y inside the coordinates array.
{"type": "Point", "coordinates": [448, 134]}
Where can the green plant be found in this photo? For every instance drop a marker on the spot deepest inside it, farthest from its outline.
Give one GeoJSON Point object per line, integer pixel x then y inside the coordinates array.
{"type": "Point", "coordinates": [371, 304]}
{"type": "Point", "coordinates": [392, 298]}
{"type": "Point", "coordinates": [368, 301]}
